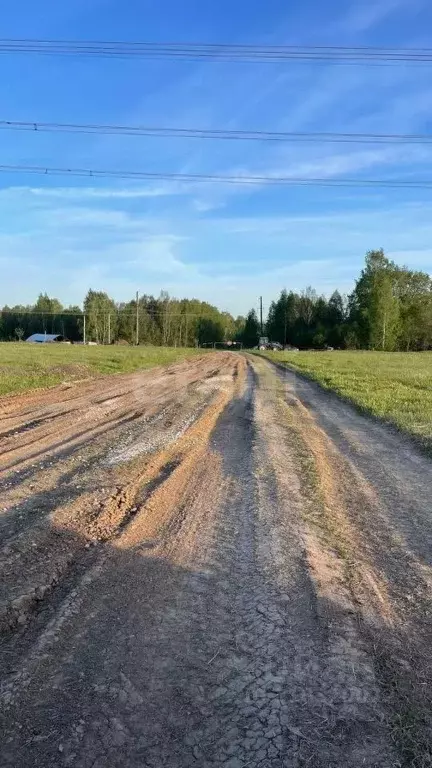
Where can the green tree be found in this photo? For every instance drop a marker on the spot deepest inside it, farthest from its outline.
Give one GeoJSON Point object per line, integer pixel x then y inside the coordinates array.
{"type": "Point", "coordinates": [414, 290]}
{"type": "Point", "coordinates": [18, 316]}
{"type": "Point", "coordinates": [373, 305]}
{"type": "Point", "coordinates": [383, 312]}
{"type": "Point", "coordinates": [45, 304]}
{"type": "Point", "coordinates": [71, 322]}
{"type": "Point", "coordinates": [335, 320]}
{"type": "Point", "coordinates": [101, 317]}
{"type": "Point", "coordinates": [49, 311]}
{"type": "Point", "coordinates": [282, 318]}
{"type": "Point", "coordinates": [251, 330]}
{"type": "Point", "coordinates": [209, 331]}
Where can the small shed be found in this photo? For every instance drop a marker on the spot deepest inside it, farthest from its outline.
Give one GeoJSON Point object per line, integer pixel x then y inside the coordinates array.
{"type": "Point", "coordinates": [45, 338]}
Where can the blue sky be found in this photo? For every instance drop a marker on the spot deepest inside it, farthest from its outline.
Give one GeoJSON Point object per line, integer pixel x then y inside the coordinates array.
{"type": "Point", "coordinates": [221, 243]}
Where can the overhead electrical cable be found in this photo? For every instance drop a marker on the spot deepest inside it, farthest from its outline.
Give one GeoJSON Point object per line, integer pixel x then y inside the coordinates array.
{"type": "Point", "coordinates": [217, 134]}
{"type": "Point", "coordinates": [218, 178]}
{"type": "Point", "coordinates": [219, 52]}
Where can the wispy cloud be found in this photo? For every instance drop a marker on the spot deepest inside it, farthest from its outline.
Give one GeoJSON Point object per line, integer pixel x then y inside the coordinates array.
{"type": "Point", "coordinates": [97, 193]}
{"type": "Point", "coordinates": [422, 258]}
{"type": "Point", "coordinates": [146, 257]}
{"type": "Point", "coordinates": [362, 17]}
{"type": "Point", "coordinates": [204, 204]}
{"type": "Point", "coordinates": [336, 165]}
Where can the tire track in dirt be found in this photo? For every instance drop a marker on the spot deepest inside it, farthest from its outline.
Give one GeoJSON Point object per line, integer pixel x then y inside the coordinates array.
{"type": "Point", "coordinates": [200, 635]}
{"type": "Point", "coordinates": [125, 397]}
{"type": "Point", "coordinates": [369, 497]}
{"type": "Point", "coordinates": [34, 558]}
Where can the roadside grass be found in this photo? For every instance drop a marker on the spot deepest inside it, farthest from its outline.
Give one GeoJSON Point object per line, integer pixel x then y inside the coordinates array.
{"type": "Point", "coordinates": [395, 387]}
{"type": "Point", "coordinates": [30, 366]}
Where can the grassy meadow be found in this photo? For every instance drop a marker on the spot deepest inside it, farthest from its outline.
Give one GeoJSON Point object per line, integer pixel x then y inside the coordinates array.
{"type": "Point", "coordinates": [393, 386]}
{"type": "Point", "coordinates": [29, 366]}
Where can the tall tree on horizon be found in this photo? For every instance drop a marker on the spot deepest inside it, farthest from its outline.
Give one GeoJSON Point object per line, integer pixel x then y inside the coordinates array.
{"type": "Point", "coordinates": [251, 330]}
{"type": "Point", "coordinates": [49, 309]}
{"type": "Point", "coordinates": [384, 313]}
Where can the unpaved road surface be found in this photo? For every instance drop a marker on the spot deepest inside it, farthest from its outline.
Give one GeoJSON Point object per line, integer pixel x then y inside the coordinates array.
{"type": "Point", "coordinates": [213, 564]}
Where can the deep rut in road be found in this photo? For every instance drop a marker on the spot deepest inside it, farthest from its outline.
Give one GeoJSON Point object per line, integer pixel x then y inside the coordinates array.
{"type": "Point", "coordinates": [229, 614]}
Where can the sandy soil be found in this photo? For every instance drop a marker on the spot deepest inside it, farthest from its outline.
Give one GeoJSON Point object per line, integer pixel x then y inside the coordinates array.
{"type": "Point", "coordinates": [211, 564]}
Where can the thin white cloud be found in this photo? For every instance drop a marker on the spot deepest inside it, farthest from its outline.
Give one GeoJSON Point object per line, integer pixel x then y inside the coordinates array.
{"type": "Point", "coordinates": [86, 218]}
{"type": "Point", "coordinates": [363, 16]}
{"type": "Point", "coordinates": [207, 203]}
{"type": "Point", "coordinates": [100, 193]}
{"type": "Point", "coordinates": [146, 258]}
{"type": "Point", "coordinates": [336, 165]}
{"type": "Point", "coordinates": [421, 258]}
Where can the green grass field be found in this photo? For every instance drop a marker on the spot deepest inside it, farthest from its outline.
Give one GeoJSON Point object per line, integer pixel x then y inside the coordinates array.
{"type": "Point", "coordinates": [393, 386]}
{"type": "Point", "coordinates": [28, 366]}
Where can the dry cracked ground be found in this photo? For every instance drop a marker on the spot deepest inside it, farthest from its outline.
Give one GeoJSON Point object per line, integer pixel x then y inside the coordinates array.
{"type": "Point", "coordinates": [211, 564]}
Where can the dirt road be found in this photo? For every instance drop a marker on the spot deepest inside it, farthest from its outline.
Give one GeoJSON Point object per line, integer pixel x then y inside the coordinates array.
{"type": "Point", "coordinates": [211, 564]}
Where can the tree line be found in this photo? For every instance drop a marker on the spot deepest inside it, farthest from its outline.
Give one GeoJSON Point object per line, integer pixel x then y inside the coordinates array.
{"type": "Point", "coordinates": [161, 321]}
{"type": "Point", "coordinates": [389, 309]}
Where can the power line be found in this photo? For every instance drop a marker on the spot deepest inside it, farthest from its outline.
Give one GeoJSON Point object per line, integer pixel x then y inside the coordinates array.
{"type": "Point", "coordinates": [214, 178]}
{"type": "Point", "coordinates": [219, 134]}
{"type": "Point", "coordinates": [143, 313]}
{"type": "Point", "coordinates": [218, 52]}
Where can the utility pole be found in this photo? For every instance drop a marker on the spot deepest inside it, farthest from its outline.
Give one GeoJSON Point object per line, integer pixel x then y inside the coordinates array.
{"type": "Point", "coordinates": [261, 316]}
{"type": "Point", "coordinates": [137, 320]}
{"type": "Point", "coordinates": [84, 330]}
{"type": "Point", "coordinates": [109, 328]}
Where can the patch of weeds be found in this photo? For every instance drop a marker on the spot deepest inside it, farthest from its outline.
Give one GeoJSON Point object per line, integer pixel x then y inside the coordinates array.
{"type": "Point", "coordinates": [408, 701]}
